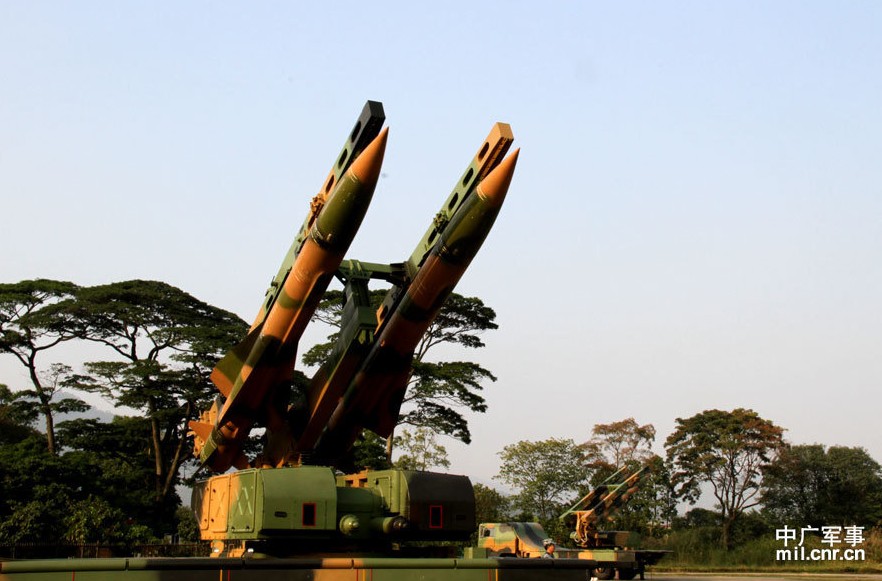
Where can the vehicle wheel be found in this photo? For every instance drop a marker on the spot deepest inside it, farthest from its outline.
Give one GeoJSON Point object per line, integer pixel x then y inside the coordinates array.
{"type": "Point", "coordinates": [605, 572]}
{"type": "Point", "coordinates": [627, 574]}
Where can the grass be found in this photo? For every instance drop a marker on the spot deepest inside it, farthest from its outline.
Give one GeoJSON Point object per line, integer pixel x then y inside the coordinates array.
{"type": "Point", "coordinates": [697, 550]}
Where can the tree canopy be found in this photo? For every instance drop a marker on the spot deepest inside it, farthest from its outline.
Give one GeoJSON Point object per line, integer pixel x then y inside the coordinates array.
{"type": "Point", "coordinates": [31, 324]}
{"type": "Point", "coordinates": [490, 504]}
{"type": "Point", "coordinates": [625, 444]}
{"type": "Point", "coordinates": [162, 344]}
{"type": "Point", "coordinates": [727, 450]}
{"type": "Point", "coordinates": [546, 475]}
{"type": "Point", "coordinates": [619, 444]}
{"type": "Point", "coordinates": [814, 486]}
{"type": "Point", "coordinates": [420, 450]}
{"type": "Point", "coordinates": [165, 343]}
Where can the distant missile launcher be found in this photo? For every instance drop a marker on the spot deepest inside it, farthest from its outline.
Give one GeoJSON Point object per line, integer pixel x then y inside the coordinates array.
{"type": "Point", "coordinates": [283, 496]}
{"type": "Point", "coordinates": [600, 504]}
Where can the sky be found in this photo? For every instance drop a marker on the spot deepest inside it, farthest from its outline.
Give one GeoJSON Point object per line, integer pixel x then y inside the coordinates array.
{"type": "Point", "coordinates": [695, 221]}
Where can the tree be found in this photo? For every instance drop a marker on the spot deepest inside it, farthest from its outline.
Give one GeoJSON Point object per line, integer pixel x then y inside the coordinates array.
{"type": "Point", "coordinates": [810, 486]}
{"type": "Point", "coordinates": [729, 451]}
{"type": "Point", "coordinates": [627, 445]}
{"type": "Point", "coordinates": [188, 526]}
{"type": "Point", "coordinates": [29, 325]}
{"type": "Point", "coordinates": [96, 489]}
{"type": "Point", "coordinates": [545, 474]}
{"type": "Point", "coordinates": [166, 343]}
{"type": "Point", "coordinates": [15, 417]}
{"type": "Point", "coordinates": [490, 504]}
{"type": "Point", "coordinates": [438, 392]}
{"type": "Point", "coordinates": [117, 457]}
{"type": "Point", "coordinates": [420, 450]}
{"type": "Point", "coordinates": [38, 490]}
{"type": "Point", "coordinates": [45, 400]}
{"type": "Point", "coordinates": [93, 520]}
{"type": "Point", "coordinates": [619, 444]}
{"type": "Point", "coordinates": [655, 505]}
{"type": "Point", "coordinates": [368, 453]}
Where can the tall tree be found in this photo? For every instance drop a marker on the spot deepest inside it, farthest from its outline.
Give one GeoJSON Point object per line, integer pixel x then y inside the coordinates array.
{"type": "Point", "coordinates": [619, 444]}
{"type": "Point", "coordinates": [438, 392]}
{"type": "Point", "coordinates": [15, 417]}
{"type": "Point", "coordinates": [30, 325]}
{"type": "Point", "coordinates": [166, 342]}
{"type": "Point", "coordinates": [420, 450]}
{"type": "Point", "coordinates": [118, 456]}
{"type": "Point", "coordinates": [654, 507]}
{"type": "Point", "coordinates": [546, 475]}
{"type": "Point", "coordinates": [368, 453]}
{"type": "Point", "coordinates": [814, 486]}
{"type": "Point", "coordinates": [490, 504]}
{"type": "Point", "coordinates": [48, 400]}
{"type": "Point", "coordinates": [626, 444]}
{"type": "Point", "coordinates": [97, 489]}
{"type": "Point", "coordinates": [727, 450]}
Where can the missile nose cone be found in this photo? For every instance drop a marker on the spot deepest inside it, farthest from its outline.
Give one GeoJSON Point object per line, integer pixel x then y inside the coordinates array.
{"type": "Point", "coordinates": [366, 167]}
{"type": "Point", "coordinates": [494, 187]}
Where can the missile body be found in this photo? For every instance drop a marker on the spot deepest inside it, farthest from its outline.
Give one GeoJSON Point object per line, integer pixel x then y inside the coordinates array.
{"type": "Point", "coordinates": [252, 370]}
{"type": "Point", "coordinates": [333, 377]}
{"type": "Point", "coordinates": [373, 399]}
{"type": "Point", "coordinates": [364, 380]}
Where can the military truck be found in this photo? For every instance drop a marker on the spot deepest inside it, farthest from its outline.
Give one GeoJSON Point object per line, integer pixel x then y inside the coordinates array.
{"type": "Point", "coordinates": [615, 555]}
{"type": "Point", "coordinates": [614, 551]}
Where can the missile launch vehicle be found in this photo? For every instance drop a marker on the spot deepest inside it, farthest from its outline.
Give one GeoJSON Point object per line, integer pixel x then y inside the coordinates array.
{"type": "Point", "coordinates": [294, 497]}
{"type": "Point", "coordinates": [293, 502]}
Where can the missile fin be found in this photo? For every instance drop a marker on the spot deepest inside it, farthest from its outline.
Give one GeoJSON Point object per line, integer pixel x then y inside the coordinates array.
{"type": "Point", "coordinates": [201, 429]}
{"type": "Point", "coordinates": [227, 370]}
{"type": "Point", "coordinates": [383, 415]}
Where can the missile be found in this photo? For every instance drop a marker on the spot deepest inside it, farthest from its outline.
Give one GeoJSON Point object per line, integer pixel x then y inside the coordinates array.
{"type": "Point", "coordinates": [248, 375]}
{"type": "Point", "coordinates": [374, 397]}
{"type": "Point", "coordinates": [329, 383]}
{"type": "Point", "coordinates": [361, 322]}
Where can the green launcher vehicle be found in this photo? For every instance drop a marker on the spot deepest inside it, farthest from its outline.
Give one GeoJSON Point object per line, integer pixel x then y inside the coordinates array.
{"type": "Point", "coordinates": [302, 495]}
{"type": "Point", "coordinates": [299, 509]}
{"type": "Point", "coordinates": [615, 552]}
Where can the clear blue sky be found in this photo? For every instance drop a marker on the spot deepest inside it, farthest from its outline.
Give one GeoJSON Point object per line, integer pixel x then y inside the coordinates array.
{"type": "Point", "coordinates": [695, 222]}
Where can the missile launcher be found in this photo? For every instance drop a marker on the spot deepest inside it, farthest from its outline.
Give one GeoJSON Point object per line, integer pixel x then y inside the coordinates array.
{"type": "Point", "coordinates": [292, 498]}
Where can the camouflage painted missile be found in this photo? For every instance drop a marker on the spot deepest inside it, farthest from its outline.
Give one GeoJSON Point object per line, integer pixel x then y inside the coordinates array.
{"type": "Point", "coordinates": [353, 345]}
{"type": "Point", "coordinates": [252, 370]}
{"type": "Point", "coordinates": [488, 156]}
{"type": "Point", "coordinates": [617, 495]}
{"type": "Point", "coordinates": [601, 503]}
{"type": "Point", "coordinates": [597, 492]}
{"type": "Point", "coordinates": [373, 400]}
{"type": "Point", "coordinates": [361, 324]}
{"type": "Point", "coordinates": [367, 127]}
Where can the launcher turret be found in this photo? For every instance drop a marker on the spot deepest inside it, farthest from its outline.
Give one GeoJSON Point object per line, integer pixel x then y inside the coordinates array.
{"type": "Point", "coordinates": [600, 504]}
{"type": "Point", "coordinates": [290, 490]}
